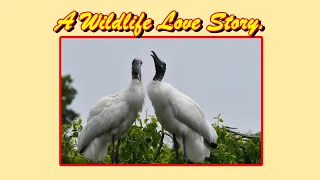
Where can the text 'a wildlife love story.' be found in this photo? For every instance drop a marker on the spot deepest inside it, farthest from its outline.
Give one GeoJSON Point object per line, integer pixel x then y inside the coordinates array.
{"type": "Point", "coordinates": [220, 21]}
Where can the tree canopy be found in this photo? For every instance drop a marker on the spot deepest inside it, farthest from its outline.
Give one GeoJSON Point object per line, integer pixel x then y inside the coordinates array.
{"type": "Point", "coordinates": [68, 94]}
{"type": "Point", "coordinates": [141, 143]}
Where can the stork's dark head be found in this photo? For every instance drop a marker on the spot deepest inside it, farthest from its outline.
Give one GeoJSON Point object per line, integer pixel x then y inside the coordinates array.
{"type": "Point", "coordinates": [160, 67]}
{"type": "Point", "coordinates": [136, 69]}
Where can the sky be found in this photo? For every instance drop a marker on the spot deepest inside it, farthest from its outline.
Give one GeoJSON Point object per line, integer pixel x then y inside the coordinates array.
{"type": "Point", "coordinates": [221, 75]}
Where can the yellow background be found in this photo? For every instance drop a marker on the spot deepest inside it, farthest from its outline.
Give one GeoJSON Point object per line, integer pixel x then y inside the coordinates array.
{"type": "Point", "coordinates": [29, 80]}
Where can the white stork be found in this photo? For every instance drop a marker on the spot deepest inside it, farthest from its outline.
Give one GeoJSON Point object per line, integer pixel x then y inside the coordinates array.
{"type": "Point", "coordinates": [111, 118]}
{"type": "Point", "coordinates": [181, 116]}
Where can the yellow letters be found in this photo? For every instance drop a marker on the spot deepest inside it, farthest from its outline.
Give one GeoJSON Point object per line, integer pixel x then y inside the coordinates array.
{"type": "Point", "coordinates": [68, 22]}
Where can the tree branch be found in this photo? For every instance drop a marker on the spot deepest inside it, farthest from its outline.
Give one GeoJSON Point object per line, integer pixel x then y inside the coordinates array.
{"type": "Point", "coordinates": [147, 113]}
{"type": "Point", "coordinates": [230, 127]}
{"type": "Point", "coordinates": [240, 134]}
{"type": "Point", "coordinates": [166, 133]}
{"type": "Point", "coordinates": [160, 146]}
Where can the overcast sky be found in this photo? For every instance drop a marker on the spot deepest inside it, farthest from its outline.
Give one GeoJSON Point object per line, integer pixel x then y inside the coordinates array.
{"type": "Point", "coordinates": [221, 75]}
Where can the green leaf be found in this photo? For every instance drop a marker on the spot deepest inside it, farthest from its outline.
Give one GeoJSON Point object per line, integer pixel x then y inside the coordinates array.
{"type": "Point", "coordinates": [145, 147]}
{"type": "Point", "coordinates": [154, 120]}
{"type": "Point", "coordinates": [146, 120]}
{"type": "Point", "coordinates": [148, 139]}
{"type": "Point", "coordinates": [140, 122]}
{"type": "Point", "coordinates": [75, 134]}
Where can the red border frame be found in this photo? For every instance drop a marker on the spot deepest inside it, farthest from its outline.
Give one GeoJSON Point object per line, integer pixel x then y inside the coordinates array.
{"type": "Point", "coordinates": [60, 100]}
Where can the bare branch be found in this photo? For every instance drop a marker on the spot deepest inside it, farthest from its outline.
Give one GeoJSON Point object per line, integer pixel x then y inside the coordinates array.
{"type": "Point", "coordinates": [230, 127]}
{"type": "Point", "coordinates": [240, 134]}
{"type": "Point", "coordinates": [160, 146]}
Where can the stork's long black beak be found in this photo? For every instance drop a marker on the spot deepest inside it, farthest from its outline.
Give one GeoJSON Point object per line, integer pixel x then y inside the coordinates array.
{"type": "Point", "coordinates": [160, 67]}
{"type": "Point", "coordinates": [156, 59]}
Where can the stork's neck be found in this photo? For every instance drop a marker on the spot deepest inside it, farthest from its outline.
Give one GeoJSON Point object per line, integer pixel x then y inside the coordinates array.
{"type": "Point", "coordinates": [158, 76]}
{"type": "Point", "coordinates": [135, 75]}
{"type": "Point", "coordinates": [135, 94]}
{"type": "Point", "coordinates": [135, 87]}
{"type": "Point", "coordinates": [135, 82]}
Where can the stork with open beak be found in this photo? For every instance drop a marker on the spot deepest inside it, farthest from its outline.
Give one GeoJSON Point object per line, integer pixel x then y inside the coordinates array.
{"type": "Point", "coordinates": [181, 116]}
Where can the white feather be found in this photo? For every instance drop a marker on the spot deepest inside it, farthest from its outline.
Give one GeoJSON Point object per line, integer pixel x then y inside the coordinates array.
{"type": "Point", "coordinates": [180, 115]}
{"type": "Point", "coordinates": [113, 114]}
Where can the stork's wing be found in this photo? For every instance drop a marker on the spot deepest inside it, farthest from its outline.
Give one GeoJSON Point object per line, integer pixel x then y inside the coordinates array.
{"type": "Point", "coordinates": [103, 103]}
{"type": "Point", "coordinates": [189, 113]}
{"type": "Point", "coordinates": [106, 115]}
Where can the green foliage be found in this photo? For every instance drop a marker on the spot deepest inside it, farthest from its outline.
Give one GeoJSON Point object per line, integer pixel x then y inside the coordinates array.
{"type": "Point", "coordinates": [70, 133]}
{"type": "Point", "coordinates": [141, 143]}
{"type": "Point", "coordinates": [68, 94]}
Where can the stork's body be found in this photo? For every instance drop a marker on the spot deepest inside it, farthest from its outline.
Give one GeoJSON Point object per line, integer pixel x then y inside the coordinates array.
{"type": "Point", "coordinates": [111, 118]}
{"type": "Point", "coordinates": [181, 116]}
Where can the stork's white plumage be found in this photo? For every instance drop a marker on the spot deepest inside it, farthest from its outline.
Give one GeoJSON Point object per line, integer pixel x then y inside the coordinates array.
{"type": "Point", "coordinates": [111, 118]}
{"type": "Point", "coordinates": [181, 116]}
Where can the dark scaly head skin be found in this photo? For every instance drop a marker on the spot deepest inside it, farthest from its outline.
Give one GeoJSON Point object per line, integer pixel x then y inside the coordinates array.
{"type": "Point", "coordinates": [136, 69]}
{"type": "Point", "coordinates": [160, 67]}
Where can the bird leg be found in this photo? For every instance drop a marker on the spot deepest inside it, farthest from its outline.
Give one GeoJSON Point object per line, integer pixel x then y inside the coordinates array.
{"type": "Point", "coordinates": [112, 152]}
{"type": "Point", "coordinates": [175, 146]}
{"type": "Point", "coordinates": [117, 152]}
{"type": "Point", "coordinates": [160, 146]}
{"type": "Point", "coordinates": [184, 149]}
